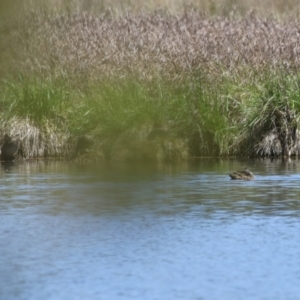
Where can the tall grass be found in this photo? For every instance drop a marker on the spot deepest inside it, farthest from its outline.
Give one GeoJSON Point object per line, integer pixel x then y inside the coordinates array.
{"type": "Point", "coordinates": [87, 47]}
{"type": "Point", "coordinates": [189, 117]}
{"type": "Point", "coordinates": [256, 104]}
{"type": "Point", "coordinates": [35, 98]}
{"type": "Point", "coordinates": [159, 120]}
{"type": "Point", "coordinates": [158, 85]}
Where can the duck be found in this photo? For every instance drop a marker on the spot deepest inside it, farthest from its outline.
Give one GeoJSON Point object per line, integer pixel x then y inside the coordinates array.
{"type": "Point", "coordinates": [9, 148]}
{"type": "Point", "coordinates": [246, 174]}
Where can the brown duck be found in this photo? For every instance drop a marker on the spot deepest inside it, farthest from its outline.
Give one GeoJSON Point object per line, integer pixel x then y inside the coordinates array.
{"type": "Point", "coordinates": [9, 148]}
{"type": "Point", "coordinates": [246, 174]}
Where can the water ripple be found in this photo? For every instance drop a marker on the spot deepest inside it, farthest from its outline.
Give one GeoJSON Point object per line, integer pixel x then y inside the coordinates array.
{"type": "Point", "coordinates": [159, 233]}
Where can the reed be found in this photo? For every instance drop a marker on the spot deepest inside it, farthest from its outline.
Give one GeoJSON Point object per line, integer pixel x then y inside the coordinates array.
{"type": "Point", "coordinates": [156, 85]}
{"type": "Point", "coordinates": [178, 121]}
{"type": "Point", "coordinates": [274, 116]}
{"type": "Point", "coordinates": [86, 47]}
{"type": "Point", "coordinates": [134, 119]}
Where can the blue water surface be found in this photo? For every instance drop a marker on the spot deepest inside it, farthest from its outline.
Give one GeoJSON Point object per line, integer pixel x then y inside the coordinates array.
{"type": "Point", "coordinates": [149, 232]}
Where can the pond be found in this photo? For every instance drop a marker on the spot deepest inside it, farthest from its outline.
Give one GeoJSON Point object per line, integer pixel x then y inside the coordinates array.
{"type": "Point", "coordinates": [144, 231]}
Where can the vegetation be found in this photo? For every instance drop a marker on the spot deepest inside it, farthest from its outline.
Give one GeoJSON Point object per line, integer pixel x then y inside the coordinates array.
{"type": "Point", "coordinates": [162, 85]}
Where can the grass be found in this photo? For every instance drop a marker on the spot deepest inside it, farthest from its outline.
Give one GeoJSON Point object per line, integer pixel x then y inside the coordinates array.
{"type": "Point", "coordinates": [156, 85]}
{"type": "Point", "coordinates": [35, 98]}
{"type": "Point", "coordinates": [257, 103]}
{"type": "Point", "coordinates": [158, 120]}
{"type": "Point", "coordinates": [187, 116]}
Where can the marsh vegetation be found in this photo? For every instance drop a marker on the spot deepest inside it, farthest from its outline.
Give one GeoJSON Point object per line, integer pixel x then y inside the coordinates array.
{"type": "Point", "coordinates": [145, 83]}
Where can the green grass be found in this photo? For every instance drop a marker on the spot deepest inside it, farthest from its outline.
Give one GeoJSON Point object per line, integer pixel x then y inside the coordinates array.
{"type": "Point", "coordinates": [34, 98]}
{"type": "Point", "coordinates": [162, 120]}
{"type": "Point", "coordinates": [256, 101]}
{"type": "Point", "coordinates": [190, 111]}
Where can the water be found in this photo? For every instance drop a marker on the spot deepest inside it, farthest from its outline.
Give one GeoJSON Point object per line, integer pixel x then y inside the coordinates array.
{"type": "Point", "coordinates": [149, 232]}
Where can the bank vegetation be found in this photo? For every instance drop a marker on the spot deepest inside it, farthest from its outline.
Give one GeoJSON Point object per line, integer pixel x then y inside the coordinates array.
{"type": "Point", "coordinates": [160, 84]}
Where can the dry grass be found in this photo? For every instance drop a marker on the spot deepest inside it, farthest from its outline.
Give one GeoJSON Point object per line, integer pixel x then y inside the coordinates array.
{"type": "Point", "coordinates": [46, 141]}
{"type": "Point", "coordinates": [86, 46]}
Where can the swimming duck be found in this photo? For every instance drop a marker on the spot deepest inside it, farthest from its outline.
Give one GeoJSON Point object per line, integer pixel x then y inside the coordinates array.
{"type": "Point", "coordinates": [9, 148]}
{"type": "Point", "coordinates": [246, 174]}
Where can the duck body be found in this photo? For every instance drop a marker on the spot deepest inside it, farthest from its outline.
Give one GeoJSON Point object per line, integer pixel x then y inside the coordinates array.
{"type": "Point", "coordinates": [246, 174]}
{"type": "Point", "coordinates": [9, 148]}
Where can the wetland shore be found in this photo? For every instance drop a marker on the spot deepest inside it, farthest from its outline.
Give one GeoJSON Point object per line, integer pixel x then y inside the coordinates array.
{"type": "Point", "coordinates": [156, 85]}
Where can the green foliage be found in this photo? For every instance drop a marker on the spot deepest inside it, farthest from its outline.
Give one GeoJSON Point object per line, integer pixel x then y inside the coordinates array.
{"type": "Point", "coordinates": [34, 98]}
{"type": "Point", "coordinates": [190, 110]}
{"type": "Point", "coordinates": [115, 106]}
{"type": "Point", "coordinates": [208, 117]}
{"type": "Point", "coordinates": [257, 100]}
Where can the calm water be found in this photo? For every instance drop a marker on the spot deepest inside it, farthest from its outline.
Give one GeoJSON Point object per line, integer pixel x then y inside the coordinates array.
{"type": "Point", "coordinates": [150, 232]}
